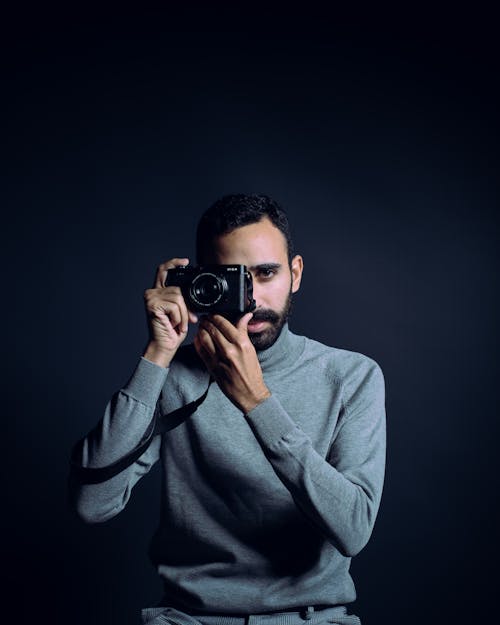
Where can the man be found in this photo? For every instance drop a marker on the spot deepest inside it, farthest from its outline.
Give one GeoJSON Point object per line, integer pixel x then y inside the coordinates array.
{"type": "Point", "coordinates": [274, 482]}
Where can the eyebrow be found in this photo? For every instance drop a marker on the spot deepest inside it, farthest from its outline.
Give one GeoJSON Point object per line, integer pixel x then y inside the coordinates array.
{"type": "Point", "coordinates": [265, 267]}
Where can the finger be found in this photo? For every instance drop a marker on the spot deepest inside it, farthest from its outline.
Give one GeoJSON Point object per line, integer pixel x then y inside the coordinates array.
{"type": "Point", "coordinates": [225, 327]}
{"type": "Point", "coordinates": [173, 312]}
{"type": "Point", "coordinates": [244, 321]}
{"type": "Point", "coordinates": [219, 340]}
{"type": "Point", "coordinates": [174, 294]}
{"type": "Point", "coordinates": [192, 317]}
{"type": "Point", "coordinates": [164, 320]}
{"type": "Point", "coordinates": [184, 315]}
{"type": "Point", "coordinates": [206, 342]}
{"type": "Point", "coordinates": [157, 304]}
{"type": "Point", "coordinates": [201, 352]}
{"type": "Point", "coordinates": [205, 350]}
{"type": "Point", "coordinates": [217, 368]}
{"type": "Point", "coordinates": [161, 272]}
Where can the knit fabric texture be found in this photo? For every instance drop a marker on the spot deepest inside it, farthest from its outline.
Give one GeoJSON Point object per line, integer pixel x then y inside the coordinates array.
{"type": "Point", "coordinates": [259, 512]}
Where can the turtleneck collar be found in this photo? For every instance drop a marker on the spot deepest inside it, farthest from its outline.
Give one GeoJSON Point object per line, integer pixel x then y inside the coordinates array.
{"type": "Point", "coordinates": [283, 352]}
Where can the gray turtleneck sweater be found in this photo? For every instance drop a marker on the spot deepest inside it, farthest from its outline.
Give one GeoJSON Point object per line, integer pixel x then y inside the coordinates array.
{"type": "Point", "coordinates": [259, 512]}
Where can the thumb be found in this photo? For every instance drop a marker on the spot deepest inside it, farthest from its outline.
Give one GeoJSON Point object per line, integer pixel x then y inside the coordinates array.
{"type": "Point", "coordinates": [243, 322]}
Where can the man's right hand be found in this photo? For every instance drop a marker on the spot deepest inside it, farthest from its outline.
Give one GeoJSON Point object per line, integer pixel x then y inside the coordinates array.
{"type": "Point", "coordinates": [168, 316]}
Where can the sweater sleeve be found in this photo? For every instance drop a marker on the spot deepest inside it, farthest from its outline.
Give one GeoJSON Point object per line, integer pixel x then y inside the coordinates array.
{"type": "Point", "coordinates": [127, 418]}
{"type": "Point", "coordinates": [340, 494]}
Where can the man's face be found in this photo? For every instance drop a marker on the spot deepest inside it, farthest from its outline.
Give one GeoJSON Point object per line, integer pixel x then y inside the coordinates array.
{"type": "Point", "coordinates": [262, 248]}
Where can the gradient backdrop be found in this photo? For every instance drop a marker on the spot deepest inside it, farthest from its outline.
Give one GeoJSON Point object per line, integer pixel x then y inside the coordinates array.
{"type": "Point", "coordinates": [378, 136]}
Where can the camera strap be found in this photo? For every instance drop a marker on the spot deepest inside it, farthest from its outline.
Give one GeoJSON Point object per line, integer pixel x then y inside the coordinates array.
{"type": "Point", "coordinates": [159, 425]}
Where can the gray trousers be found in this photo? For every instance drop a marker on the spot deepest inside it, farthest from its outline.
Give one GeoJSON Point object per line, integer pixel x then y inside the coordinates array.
{"type": "Point", "coordinates": [308, 616]}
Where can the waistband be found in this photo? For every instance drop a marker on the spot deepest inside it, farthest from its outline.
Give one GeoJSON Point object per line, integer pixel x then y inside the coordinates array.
{"type": "Point", "coordinates": [305, 616]}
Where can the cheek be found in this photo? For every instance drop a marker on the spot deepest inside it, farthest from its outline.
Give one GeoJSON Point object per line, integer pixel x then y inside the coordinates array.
{"type": "Point", "coordinates": [276, 295]}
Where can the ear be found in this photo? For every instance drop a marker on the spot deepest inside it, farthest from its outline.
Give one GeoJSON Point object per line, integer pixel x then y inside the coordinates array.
{"type": "Point", "coordinates": [297, 267]}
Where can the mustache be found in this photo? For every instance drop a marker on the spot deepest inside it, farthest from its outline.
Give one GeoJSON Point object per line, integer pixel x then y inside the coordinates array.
{"type": "Point", "coordinates": [265, 315]}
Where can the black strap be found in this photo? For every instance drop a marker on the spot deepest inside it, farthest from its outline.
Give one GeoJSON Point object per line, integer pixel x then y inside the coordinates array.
{"type": "Point", "coordinates": [159, 424]}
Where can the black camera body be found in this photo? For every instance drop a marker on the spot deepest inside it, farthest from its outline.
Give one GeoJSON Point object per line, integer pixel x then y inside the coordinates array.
{"type": "Point", "coordinates": [223, 289]}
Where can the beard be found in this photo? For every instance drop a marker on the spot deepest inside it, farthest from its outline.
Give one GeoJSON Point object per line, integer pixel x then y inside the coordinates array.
{"type": "Point", "coordinates": [266, 338]}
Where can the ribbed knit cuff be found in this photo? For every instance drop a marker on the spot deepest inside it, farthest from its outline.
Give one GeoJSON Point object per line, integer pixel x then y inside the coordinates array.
{"type": "Point", "coordinates": [146, 382]}
{"type": "Point", "coordinates": [270, 421]}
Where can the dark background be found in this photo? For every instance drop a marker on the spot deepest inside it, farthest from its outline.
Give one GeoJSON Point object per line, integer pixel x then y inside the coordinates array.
{"type": "Point", "coordinates": [377, 132]}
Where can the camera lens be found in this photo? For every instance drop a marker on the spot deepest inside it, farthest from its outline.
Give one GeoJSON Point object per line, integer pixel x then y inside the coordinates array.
{"type": "Point", "coordinates": [207, 289]}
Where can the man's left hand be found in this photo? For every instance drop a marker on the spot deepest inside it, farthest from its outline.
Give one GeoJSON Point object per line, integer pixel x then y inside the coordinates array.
{"type": "Point", "coordinates": [232, 360]}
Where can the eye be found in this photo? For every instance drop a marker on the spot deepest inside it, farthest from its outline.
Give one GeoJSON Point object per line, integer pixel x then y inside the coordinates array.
{"type": "Point", "coordinates": [266, 273]}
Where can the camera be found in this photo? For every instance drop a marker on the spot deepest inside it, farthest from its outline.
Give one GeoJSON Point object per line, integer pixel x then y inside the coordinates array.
{"type": "Point", "coordinates": [223, 289]}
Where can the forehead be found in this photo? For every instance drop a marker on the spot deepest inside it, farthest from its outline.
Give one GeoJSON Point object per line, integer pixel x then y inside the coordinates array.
{"type": "Point", "coordinates": [250, 245]}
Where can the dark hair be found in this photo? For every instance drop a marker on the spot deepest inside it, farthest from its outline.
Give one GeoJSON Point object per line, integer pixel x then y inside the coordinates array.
{"type": "Point", "coordinates": [237, 210]}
